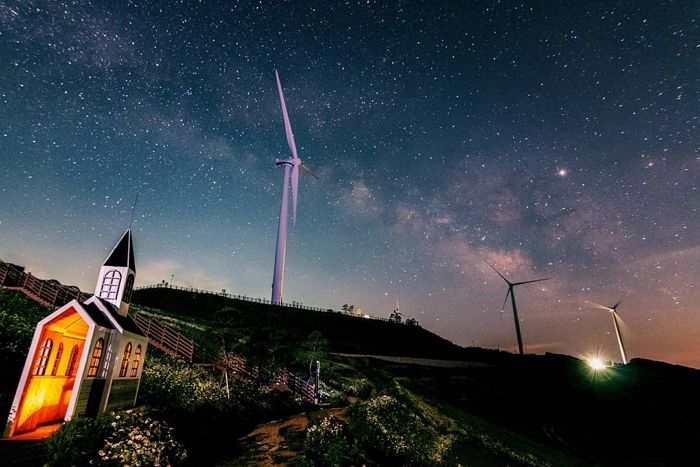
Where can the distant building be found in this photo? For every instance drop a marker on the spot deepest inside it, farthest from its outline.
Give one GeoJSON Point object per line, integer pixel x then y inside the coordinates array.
{"type": "Point", "coordinates": [85, 357]}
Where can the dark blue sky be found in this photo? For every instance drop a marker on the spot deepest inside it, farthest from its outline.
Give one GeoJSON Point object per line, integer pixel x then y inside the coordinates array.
{"type": "Point", "coordinates": [550, 138]}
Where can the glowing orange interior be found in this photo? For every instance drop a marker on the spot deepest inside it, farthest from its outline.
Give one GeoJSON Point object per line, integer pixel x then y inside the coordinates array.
{"type": "Point", "coordinates": [45, 398]}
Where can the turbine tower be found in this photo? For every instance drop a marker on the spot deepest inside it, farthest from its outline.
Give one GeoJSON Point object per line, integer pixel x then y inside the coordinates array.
{"type": "Point", "coordinates": [291, 175]}
{"type": "Point", "coordinates": [615, 317]}
{"type": "Point", "coordinates": [511, 292]}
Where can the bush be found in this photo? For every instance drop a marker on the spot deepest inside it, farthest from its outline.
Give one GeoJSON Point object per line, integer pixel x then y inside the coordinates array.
{"type": "Point", "coordinates": [327, 443]}
{"type": "Point", "coordinates": [77, 442]}
{"type": "Point", "coordinates": [403, 430]}
{"type": "Point", "coordinates": [354, 386]}
{"type": "Point", "coordinates": [138, 440]}
{"type": "Point", "coordinates": [329, 395]}
{"type": "Point", "coordinates": [116, 439]}
{"type": "Point", "coordinates": [174, 386]}
{"type": "Point", "coordinates": [18, 318]}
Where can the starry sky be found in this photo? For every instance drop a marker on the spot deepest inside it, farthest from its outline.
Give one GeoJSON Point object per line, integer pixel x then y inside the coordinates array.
{"type": "Point", "coordinates": [549, 138]}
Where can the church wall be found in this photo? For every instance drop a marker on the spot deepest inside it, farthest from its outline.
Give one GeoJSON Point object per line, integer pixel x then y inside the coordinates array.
{"type": "Point", "coordinates": [91, 397]}
{"type": "Point", "coordinates": [45, 396]}
{"type": "Point", "coordinates": [124, 389]}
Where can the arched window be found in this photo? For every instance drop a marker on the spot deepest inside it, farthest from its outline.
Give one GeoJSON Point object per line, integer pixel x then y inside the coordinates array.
{"type": "Point", "coordinates": [129, 288]}
{"type": "Point", "coordinates": [43, 358]}
{"type": "Point", "coordinates": [96, 357]}
{"type": "Point", "coordinates": [110, 284]}
{"type": "Point", "coordinates": [57, 360]}
{"type": "Point", "coordinates": [125, 361]}
{"type": "Point", "coordinates": [72, 360]}
{"type": "Point", "coordinates": [137, 362]}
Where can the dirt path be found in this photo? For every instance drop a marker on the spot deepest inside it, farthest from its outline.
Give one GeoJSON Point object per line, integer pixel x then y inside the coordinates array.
{"type": "Point", "coordinates": [278, 443]}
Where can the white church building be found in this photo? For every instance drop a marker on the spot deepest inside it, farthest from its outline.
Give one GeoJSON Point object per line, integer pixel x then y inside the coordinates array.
{"type": "Point", "coordinates": [85, 358]}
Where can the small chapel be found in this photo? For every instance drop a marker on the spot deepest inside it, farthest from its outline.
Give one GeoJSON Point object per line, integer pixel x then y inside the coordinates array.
{"type": "Point", "coordinates": [85, 358]}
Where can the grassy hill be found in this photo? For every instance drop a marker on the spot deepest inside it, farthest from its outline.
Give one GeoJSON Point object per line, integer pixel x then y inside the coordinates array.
{"type": "Point", "coordinates": [504, 410]}
{"type": "Point", "coordinates": [345, 334]}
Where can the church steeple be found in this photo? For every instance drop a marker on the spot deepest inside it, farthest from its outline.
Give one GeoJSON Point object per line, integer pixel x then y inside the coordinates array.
{"type": "Point", "coordinates": [116, 279]}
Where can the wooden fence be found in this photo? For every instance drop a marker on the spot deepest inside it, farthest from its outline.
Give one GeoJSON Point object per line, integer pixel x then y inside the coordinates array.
{"type": "Point", "coordinates": [49, 293]}
{"type": "Point", "coordinates": [164, 338]}
{"type": "Point", "coordinates": [265, 301]}
{"type": "Point", "coordinates": [52, 293]}
{"type": "Point", "coordinates": [176, 345]}
{"type": "Point", "coordinates": [297, 385]}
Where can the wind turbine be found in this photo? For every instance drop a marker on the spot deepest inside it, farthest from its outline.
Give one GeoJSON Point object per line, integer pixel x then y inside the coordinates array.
{"type": "Point", "coordinates": [615, 317]}
{"type": "Point", "coordinates": [511, 292]}
{"type": "Point", "coordinates": [291, 174]}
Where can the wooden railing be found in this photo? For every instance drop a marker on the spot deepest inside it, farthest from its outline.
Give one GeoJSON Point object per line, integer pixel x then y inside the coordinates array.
{"type": "Point", "coordinates": [49, 293]}
{"type": "Point", "coordinates": [297, 385]}
{"type": "Point", "coordinates": [238, 365]}
{"type": "Point", "coordinates": [164, 338]}
{"type": "Point", "coordinates": [52, 293]}
{"type": "Point", "coordinates": [285, 378]}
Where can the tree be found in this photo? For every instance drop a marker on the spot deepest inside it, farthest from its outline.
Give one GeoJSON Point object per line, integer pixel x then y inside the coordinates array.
{"type": "Point", "coordinates": [395, 316]}
{"type": "Point", "coordinates": [315, 347]}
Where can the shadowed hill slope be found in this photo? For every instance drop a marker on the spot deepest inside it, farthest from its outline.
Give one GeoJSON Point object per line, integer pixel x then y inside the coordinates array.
{"type": "Point", "coordinates": [345, 333]}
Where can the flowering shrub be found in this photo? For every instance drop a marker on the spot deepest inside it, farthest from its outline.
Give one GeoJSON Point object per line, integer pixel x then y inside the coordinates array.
{"type": "Point", "coordinates": [173, 384]}
{"type": "Point", "coordinates": [328, 395]}
{"type": "Point", "coordinates": [138, 440]}
{"type": "Point", "coordinates": [127, 438]}
{"type": "Point", "coordinates": [402, 430]}
{"type": "Point", "coordinates": [77, 441]}
{"type": "Point", "coordinates": [327, 443]}
{"type": "Point", "coordinates": [360, 387]}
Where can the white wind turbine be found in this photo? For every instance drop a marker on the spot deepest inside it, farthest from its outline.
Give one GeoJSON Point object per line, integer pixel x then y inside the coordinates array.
{"type": "Point", "coordinates": [616, 324]}
{"type": "Point", "coordinates": [291, 173]}
{"type": "Point", "coordinates": [511, 292]}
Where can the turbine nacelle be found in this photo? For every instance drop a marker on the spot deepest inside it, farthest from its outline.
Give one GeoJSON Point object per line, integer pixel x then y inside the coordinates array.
{"type": "Point", "coordinates": [290, 162]}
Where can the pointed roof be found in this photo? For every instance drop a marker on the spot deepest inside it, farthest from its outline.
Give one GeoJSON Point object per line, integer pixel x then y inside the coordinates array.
{"type": "Point", "coordinates": [124, 323]}
{"type": "Point", "coordinates": [123, 254]}
{"type": "Point", "coordinates": [97, 315]}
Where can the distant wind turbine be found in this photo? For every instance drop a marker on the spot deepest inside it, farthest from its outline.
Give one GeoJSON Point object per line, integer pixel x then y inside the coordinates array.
{"type": "Point", "coordinates": [615, 317]}
{"type": "Point", "coordinates": [291, 173]}
{"type": "Point", "coordinates": [511, 292]}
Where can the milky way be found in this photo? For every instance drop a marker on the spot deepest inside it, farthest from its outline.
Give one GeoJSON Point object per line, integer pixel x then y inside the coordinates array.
{"type": "Point", "coordinates": [551, 139]}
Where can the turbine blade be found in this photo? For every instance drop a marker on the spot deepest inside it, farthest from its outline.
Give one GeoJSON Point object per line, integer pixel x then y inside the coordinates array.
{"type": "Point", "coordinates": [624, 327]}
{"type": "Point", "coordinates": [530, 282]}
{"type": "Point", "coordinates": [599, 306]}
{"type": "Point", "coordinates": [502, 276]}
{"type": "Point", "coordinates": [287, 125]}
{"type": "Point", "coordinates": [506, 299]}
{"type": "Point", "coordinates": [614, 307]}
{"type": "Point", "coordinates": [308, 170]}
{"type": "Point", "coordinates": [295, 189]}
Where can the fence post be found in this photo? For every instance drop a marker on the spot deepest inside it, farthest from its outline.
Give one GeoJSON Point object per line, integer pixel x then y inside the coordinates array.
{"type": "Point", "coordinates": [317, 378]}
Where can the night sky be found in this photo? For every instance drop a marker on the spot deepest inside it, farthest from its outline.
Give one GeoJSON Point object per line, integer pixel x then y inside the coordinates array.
{"type": "Point", "coordinates": [552, 139]}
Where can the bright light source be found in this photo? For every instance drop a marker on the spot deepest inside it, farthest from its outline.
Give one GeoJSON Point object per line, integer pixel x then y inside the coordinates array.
{"type": "Point", "coordinates": [596, 364]}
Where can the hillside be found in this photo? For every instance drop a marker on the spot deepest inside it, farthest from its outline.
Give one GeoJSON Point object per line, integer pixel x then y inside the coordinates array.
{"type": "Point", "coordinates": [499, 409]}
{"type": "Point", "coordinates": [503, 409]}
{"type": "Point", "coordinates": [345, 334]}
